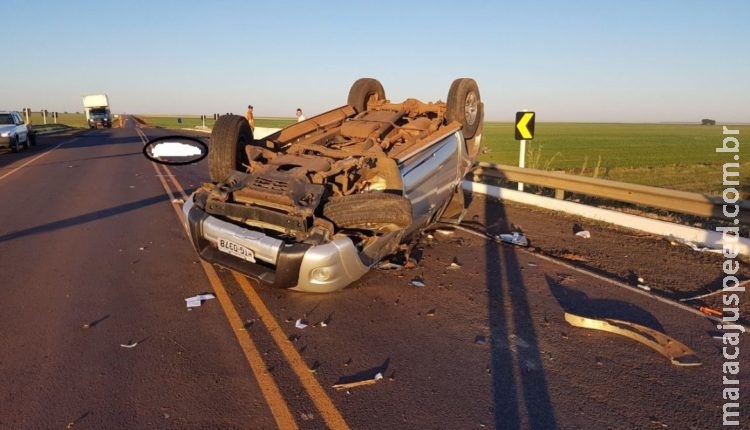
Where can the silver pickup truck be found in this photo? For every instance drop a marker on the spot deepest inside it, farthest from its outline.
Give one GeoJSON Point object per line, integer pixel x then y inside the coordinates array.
{"type": "Point", "coordinates": [14, 132]}
{"type": "Point", "coordinates": [315, 205]}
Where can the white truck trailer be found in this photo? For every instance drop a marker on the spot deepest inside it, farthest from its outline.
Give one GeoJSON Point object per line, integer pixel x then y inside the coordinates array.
{"type": "Point", "coordinates": [97, 111]}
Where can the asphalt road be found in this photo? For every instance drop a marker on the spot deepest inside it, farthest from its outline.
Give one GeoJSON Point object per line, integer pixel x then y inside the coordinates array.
{"type": "Point", "coordinates": [95, 266]}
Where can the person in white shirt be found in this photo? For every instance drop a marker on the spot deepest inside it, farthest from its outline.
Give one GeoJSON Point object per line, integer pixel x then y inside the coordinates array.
{"type": "Point", "coordinates": [300, 116]}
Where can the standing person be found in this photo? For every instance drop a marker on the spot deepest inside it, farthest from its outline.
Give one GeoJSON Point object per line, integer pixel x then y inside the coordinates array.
{"type": "Point", "coordinates": [250, 117]}
{"type": "Point", "coordinates": [300, 116]}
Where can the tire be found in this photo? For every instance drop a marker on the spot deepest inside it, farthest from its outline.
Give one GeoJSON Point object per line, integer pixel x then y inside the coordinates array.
{"type": "Point", "coordinates": [14, 144]}
{"type": "Point", "coordinates": [363, 210]}
{"type": "Point", "coordinates": [362, 91]}
{"type": "Point", "coordinates": [26, 143]}
{"type": "Point", "coordinates": [230, 135]}
{"type": "Point", "coordinates": [465, 106]}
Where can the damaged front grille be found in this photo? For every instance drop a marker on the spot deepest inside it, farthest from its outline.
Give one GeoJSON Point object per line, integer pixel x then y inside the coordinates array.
{"type": "Point", "coordinates": [271, 185]}
{"type": "Point", "coordinates": [259, 216]}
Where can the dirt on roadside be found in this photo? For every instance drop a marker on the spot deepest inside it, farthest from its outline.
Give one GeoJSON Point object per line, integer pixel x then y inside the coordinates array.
{"type": "Point", "coordinates": [664, 267]}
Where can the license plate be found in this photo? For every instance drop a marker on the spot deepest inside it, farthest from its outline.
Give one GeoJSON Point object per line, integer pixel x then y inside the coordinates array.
{"type": "Point", "coordinates": [237, 250]}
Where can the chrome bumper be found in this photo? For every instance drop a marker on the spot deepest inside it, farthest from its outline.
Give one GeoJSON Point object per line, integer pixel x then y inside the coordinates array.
{"type": "Point", "coordinates": [297, 266]}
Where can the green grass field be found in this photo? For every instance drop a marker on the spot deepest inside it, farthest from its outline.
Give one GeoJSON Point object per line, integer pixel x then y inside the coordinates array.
{"type": "Point", "coordinates": [676, 156]}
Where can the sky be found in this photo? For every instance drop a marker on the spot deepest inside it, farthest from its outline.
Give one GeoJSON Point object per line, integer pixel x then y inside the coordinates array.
{"type": "Point", "coordinates": [575, 60]}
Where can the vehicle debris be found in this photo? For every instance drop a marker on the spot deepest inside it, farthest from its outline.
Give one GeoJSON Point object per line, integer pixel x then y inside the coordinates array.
{"type": "Point", "coordinates": [417, 282]}
{"type": "Point", "coordinates": [514, 238]}
{"type": "Point", "coordinates": [708, 311]}
{"type": "Point", "coordinates": [129, 345]}
{"type": "Point", "coordinates": [643, 287]}
{"type": "Point", "coordinates": [584, 234]}
{"type": "Point", "coordinates": [701, 296]}
{"type": "Point", "coordinates": [445, 231]}
{"type": "Point", "coordinates": [676, 352]}
{"type": "Point", "coordinates": [300, 324]}
{"type": "Point", "coordinates": [195, 301]}
{"type": "Point", "coordinates": [348, 385]}
{"type": "Point", "coordinates": [387, 265]}
{"type": "Point", "coordinates": [695, 247]}
{"type": "Point", "coordinates": [480, 340]}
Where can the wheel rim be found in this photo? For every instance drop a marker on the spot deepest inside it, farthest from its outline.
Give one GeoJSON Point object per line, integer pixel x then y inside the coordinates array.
{"type": "Point", "coordinates": [471, 108]}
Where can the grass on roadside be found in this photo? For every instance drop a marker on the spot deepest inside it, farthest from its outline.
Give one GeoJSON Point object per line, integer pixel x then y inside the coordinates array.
{"type": "Point", "coordinates": [677, 156]}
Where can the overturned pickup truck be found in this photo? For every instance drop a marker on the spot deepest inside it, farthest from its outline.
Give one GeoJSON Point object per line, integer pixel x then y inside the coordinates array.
{"type": "Point", "coordinates": [315, 205]}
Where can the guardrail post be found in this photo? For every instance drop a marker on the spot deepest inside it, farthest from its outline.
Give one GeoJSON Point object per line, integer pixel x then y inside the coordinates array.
{"type": "Point", "coordinates": [559, 194]}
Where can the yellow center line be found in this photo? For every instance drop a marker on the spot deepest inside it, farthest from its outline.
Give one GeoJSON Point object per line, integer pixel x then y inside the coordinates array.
{"type": "Point", "coordinates": [319, 397]}
{"type": "Point", "coordinates": [268, 387]}
{"type": "Point", "coordinates": [270, 391]}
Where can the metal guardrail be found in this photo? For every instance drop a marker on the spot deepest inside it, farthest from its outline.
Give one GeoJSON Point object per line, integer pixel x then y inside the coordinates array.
{"type": "Point", "coordinates": [662, 198]}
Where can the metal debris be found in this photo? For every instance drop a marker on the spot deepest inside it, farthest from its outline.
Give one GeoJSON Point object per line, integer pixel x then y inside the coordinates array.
{"type": "Point", "coordinates": [676, 352]}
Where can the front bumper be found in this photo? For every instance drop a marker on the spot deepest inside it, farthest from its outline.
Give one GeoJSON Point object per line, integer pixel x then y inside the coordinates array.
{"type": "Point", "coordinates": [4, 142]}
{"type": "Point", "coordinates": [297, 266]}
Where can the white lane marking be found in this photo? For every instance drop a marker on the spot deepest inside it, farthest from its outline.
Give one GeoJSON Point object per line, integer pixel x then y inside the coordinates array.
{"type": "Point", "coordinates": [36, 158]}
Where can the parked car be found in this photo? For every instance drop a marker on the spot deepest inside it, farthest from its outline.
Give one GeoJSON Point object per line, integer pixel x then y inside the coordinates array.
{"type": "Point", "coordinates": [315, 205]}
{"type": "Point", "coordinates": [14, 132]}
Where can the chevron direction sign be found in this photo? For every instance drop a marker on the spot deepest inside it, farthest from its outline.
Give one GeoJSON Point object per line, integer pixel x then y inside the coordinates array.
{"type": "Point", "coordinates": [525, 125]}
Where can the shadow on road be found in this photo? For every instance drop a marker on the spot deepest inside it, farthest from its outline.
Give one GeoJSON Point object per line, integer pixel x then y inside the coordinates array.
{"type": "Point", "coordinates": [82, 219]}
{"type": "Point", "coordinates": [578, 303]}
{"type": "Point", "coordinates": [521, 393]}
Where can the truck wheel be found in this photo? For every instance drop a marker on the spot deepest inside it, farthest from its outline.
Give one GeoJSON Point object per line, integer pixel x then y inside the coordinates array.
{"type": "Point", "coordinates": [362, 91]}
{"type": "Point", "coordinates": [14, 144]}
{"type": "Point", "coordinates": [230, 135]}
{"type": "Point", "coordinates": [364, 210]}
{"type": "Point", "coordinates": [465, 105]}
{"type": "Point", "coordinates": [26, 143]}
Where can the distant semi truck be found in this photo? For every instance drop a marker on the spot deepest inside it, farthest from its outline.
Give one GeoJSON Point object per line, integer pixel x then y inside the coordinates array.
{"type": "Point", "coordinates": [97, 111]}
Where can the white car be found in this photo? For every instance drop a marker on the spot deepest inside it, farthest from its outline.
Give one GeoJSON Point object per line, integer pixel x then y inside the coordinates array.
{"type": "Point", "coordinates": [14, 132]}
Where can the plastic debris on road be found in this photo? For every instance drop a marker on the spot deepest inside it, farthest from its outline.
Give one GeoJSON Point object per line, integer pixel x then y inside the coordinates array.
{"type": "Point", "coordinates": [129, 345]}
{"type": "Point", "coordinates": [584, 234]}
{"type": "Point", "coordinates": [195, 301]}
{"type": "Point", "coordinates": [455, 264]}
{"type": "Point", "coordinates": [514, 238]}
{"type": "Point", "coordinates": [348, 385]}
{"type": "Point", "coordinates": [678, 240]}
{"type": "Point", "coordinates": [300, 324]}
{"type": "Point", "coordinates": [677, 353]}
{"type": "Point", "coordinates": [417, 282]}
{"type": "Point", "coordinates": [387, 265]}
